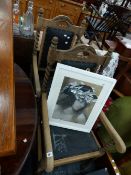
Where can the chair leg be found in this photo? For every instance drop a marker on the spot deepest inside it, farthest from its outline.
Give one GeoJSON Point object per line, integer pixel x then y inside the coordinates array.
{"type": "Point", "coordinates": [39, 144]}
{"type": "Point", "coordinates": [97, 42]}
{"type": "Point", "coordinates": [89, 41]}
{"type": "Point", "coordinates": [39, 149]}
{"type": "Point", "coordinates": [92, 37]}
{"type": "Point", "coordinates": [103, 40]}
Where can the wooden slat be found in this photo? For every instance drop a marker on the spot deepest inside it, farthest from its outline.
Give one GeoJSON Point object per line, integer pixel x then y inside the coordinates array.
{"type": "Point", "coordinates": [7, 112]}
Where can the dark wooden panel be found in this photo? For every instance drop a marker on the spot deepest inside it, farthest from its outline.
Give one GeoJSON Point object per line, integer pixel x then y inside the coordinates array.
{"type": "Point", "coordinates": [23, 49]}
{"type": "Point", "coordinates": [123, 47]}
{"type": "Point", "coordinates": [7, 112]}
{"type": "Point", "coordinates": [26, 123]}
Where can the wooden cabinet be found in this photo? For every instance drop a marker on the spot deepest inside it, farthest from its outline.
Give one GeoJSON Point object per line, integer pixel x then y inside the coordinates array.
{"type": "Point", "coordinates": [53, 8]}
{"type": "Point", "coordinates": [123, 75]}
{"type": "Point", "coordinates": [23, 5]}
{"type": "Point", "coordinates": [35, 12]}
{"type": "Point", "coordinates": [48, 6]}
{"type": "Point", "coordinates": [68, 9]}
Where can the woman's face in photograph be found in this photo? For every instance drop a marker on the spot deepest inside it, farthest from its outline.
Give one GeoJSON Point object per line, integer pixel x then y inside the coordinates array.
{"type": "Point", "coordinates": [78, 105]}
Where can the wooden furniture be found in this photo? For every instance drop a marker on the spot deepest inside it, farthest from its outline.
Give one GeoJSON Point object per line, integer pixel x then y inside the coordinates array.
{"type": "Point", "coordinates": [26, 124]}
{"type": "Point", "coordinates": [23, 49]}
{"type": "Point", "coordinates": [125, 19]}
{"type": "Point", "coordinates": [109, 44]}
{"type": "Point", "coordinates": [123, 46]}
{"type": "Point", "coordinates": [53, 8]}
{"type": "Point", "coordinates": [123, 76]}
{"type": "Point", "coordinates": [88, 55]}
{"type": "Point", "coordinates": [7, 101]}
{"type": "Point", "coordinates": [125, 3]}
{"type": "Point", "coordinates": [60, 26]}
{"type": "Point", "coordinates": [70, 9]}
{"type": "Point", "coordinates": [123, 73]}
{"type": "Point", "coordinates": [99, 26]}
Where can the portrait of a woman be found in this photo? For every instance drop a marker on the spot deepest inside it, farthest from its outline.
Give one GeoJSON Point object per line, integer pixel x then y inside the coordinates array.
{"type": "Point", "coordinates": [73, 102]}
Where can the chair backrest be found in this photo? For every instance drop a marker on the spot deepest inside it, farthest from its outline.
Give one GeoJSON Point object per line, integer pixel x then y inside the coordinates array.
{"type": "Point", "coordinates": [125, 3]}
{"type": "Point", "coordinates": [60, 26]}
{"type": "Point", "coordinates": [124, 15]}
{"type": "Point", "coordinates": [105, 23]}
{"type": "Point", "coordinates": [81, 53]}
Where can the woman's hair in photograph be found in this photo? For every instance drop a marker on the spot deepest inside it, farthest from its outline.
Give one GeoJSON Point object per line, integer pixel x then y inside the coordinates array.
{"type": "Point", "coordinates": [72, 91]}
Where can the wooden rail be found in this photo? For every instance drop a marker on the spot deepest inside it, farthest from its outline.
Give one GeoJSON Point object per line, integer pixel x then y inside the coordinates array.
{"type": "Point", "coordinates": [7, 107]}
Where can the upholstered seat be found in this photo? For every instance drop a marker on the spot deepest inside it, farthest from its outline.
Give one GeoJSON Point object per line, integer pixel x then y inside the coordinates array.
{"type": "Point", "coordinates": [66, 143]}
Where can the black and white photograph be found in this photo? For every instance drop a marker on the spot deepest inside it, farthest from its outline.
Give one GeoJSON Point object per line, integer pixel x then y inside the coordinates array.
{"type": "Point", "coordinates": [77, 97]}
{"type": "Point", "coordinates": [76, 100]}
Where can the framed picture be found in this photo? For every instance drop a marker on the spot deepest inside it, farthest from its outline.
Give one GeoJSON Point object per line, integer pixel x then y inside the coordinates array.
{"type": "Point", "coordinates": [77, 97]}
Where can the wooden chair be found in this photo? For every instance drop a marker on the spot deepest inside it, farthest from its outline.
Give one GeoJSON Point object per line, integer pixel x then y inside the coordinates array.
{"type": "Point", "coordinates": [125, 3]}
{"type": "Point", "coordinates": [60, 26]}
{"type": "Point", "coordinates": [89, 147]}
{"type": "Point", "coordinates": [99, 26]}
{"type": "Point", "coordinates": [124, 14]}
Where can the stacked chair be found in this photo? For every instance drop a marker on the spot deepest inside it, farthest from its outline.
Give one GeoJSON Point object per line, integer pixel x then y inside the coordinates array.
{"type": "Point", "coordinates": [99, 27]}
{"type": "Point", "coordinates": [50, 156]}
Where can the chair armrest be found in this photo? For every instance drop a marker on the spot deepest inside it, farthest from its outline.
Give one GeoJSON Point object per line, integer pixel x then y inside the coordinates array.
{"type": "Point", "coordinates": [119, 143]}
{"type": "Point", "coordinates": [49, 164]}
{"type": "Point", "coordinates": [36, 77]}
{"type": "Point", "coordinates": [118, 93]}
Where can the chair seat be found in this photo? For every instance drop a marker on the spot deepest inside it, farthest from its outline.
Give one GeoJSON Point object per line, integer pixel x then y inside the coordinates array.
{"type": "Point", "coordinates": [67, 142]}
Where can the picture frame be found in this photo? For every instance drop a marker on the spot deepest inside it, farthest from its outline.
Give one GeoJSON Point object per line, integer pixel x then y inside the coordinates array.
{"type": "Point", "coordinates": [77, 97]}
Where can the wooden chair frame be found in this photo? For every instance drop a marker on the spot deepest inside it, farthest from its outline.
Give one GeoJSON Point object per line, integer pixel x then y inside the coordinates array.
{"type": "Point", "coordinates": [81, 53]}
{"type": "Point", "coordinates": [59, 22]}
{"type": "Point", "coordinates": [107, 23]}
{"type": "Point", "coordinates": [48, 163]}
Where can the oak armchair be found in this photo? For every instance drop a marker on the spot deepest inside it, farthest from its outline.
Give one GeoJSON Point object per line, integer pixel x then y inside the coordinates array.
{"type": "Point", "coordinates": [50, 154]}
